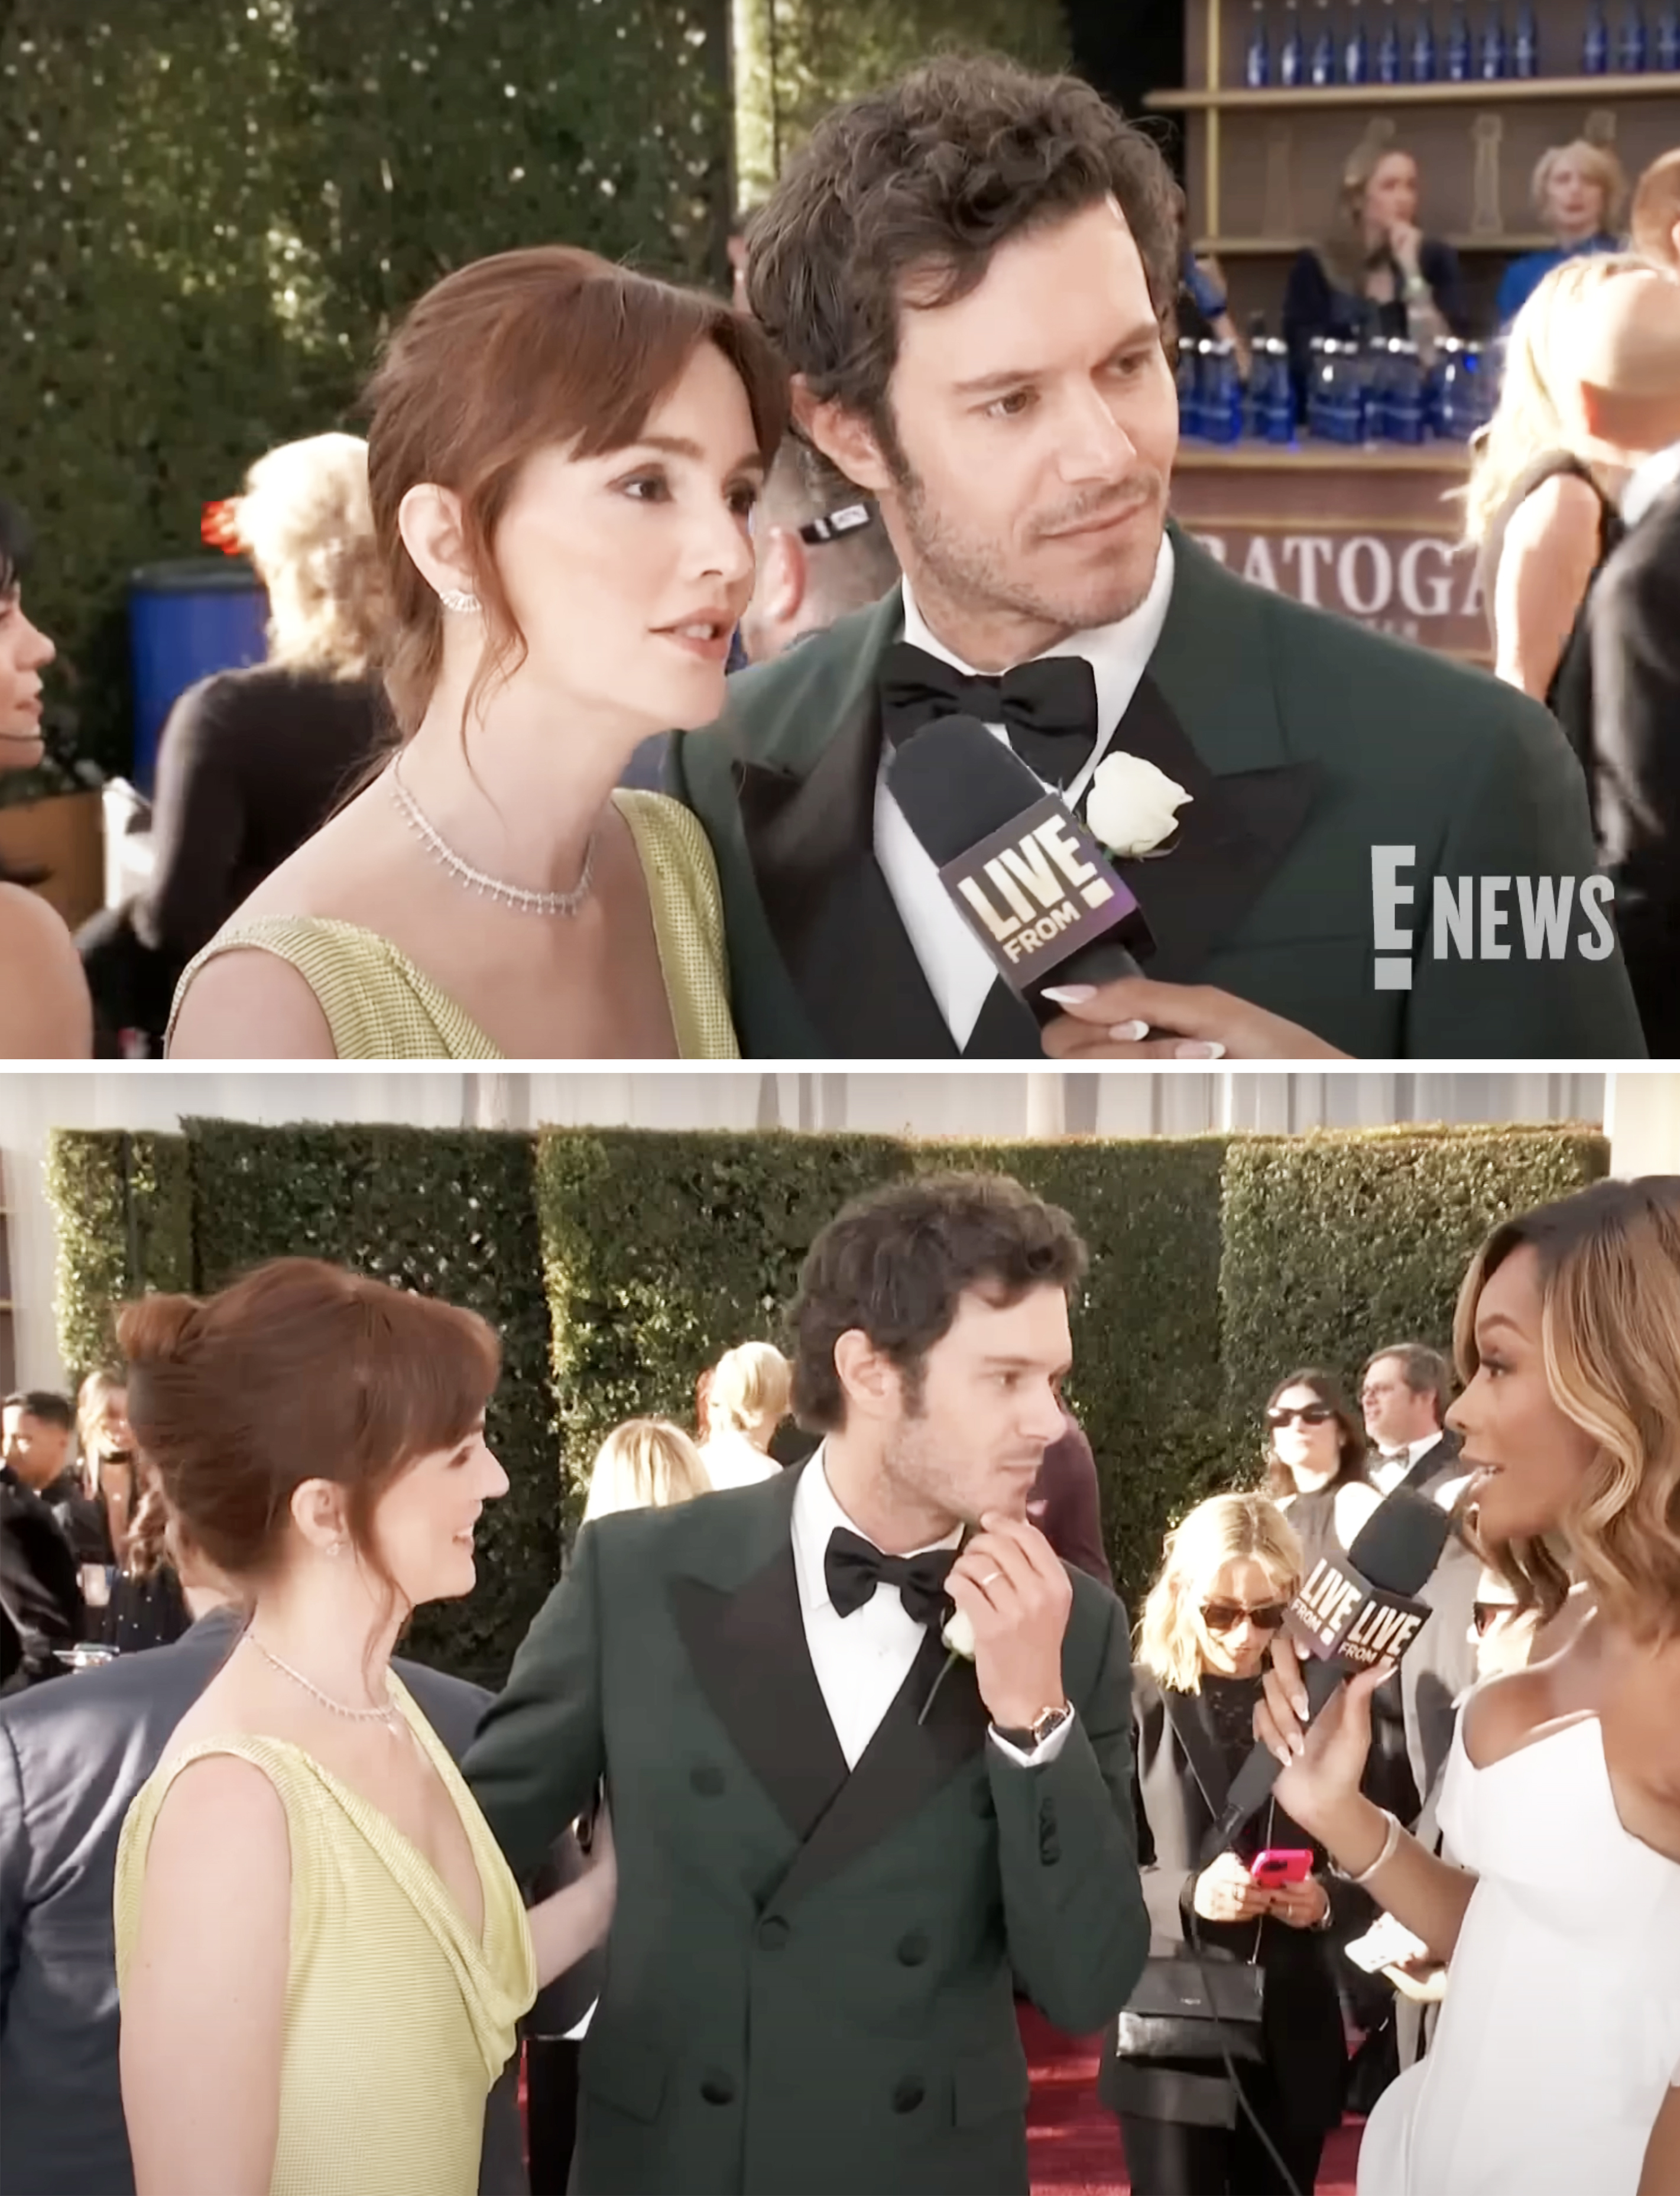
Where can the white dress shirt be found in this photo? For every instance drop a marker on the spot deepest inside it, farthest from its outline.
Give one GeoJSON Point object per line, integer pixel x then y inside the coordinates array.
{"type": "Point", "coordinates": [958, 969]}
{"type": "Point", "coordinates": [1647, 481]}
{"type": "Point", "coordinates": [863, 1660]}
{"type": "Point", "coordinates": [1387, 1476]}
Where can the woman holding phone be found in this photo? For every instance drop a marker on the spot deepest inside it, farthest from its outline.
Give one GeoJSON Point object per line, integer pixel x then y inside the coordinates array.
{"type": "Point", "coordinates": [1230, 1571]}
{"type": "Point", "coordinates": [1562, 1795]}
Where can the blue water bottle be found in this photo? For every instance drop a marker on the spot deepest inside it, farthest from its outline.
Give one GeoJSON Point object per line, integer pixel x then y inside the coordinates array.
{"type": "Point", "coordinates": [1388, 44]}
{"type": "Point", "coordinates": [1668, 41]}
{"type": "Point", "coordinates": [1631, 47]}
{"type": "Point", "coordinates": [1355, 46]}
{"type": "Point", "coordinates": [1459, 45]}
{"type": "Point", "coordinates": [1526, 43]}
{"type": "Point", "coordinates": [1404, 420]}
{"type": "Point", "coordinates": [1423, 47]}
{"type": "Point", "coordinates": [1321, 63]}
{"type": "Point", "coordinates": [1492, 57]}
{"type": "Point", "coordinates": [1279, 393]}
{"type": "Point", "coordinates": [1222, 412]}
{"type": "Point", "coordinates": [1257, 61]}
{"type": "Point", "coordinates": [1595, 43]}
{"type": "Point", "coordinates": [1189, 394]}
{"type": "Point", "coordinates": [1292, 52]}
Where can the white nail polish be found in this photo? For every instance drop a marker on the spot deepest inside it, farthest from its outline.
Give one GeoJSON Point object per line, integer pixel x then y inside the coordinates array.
{"type": "Point", "coordinates": [1129, 1032]}
{"type": "Point", "coordinates": [1197, 1050]}
{"type": "Point", "coordinates": [1069, 994]}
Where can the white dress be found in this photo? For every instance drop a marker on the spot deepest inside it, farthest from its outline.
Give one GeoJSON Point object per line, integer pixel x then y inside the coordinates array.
{"type": "Point", "coordinates": [1561, 2029]}
{"type": "Point", "coordinates": [732, 1460]}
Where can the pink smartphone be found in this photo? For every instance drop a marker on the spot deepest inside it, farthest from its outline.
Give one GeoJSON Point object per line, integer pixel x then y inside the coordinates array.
{"type": "Point", "coordinates": [1281, 1864]}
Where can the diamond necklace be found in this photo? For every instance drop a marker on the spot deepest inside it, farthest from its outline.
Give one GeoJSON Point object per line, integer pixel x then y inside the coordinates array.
{"type": "Point", "coordinates": [516, 896]}
{"type": "Point", "coordinates": [390, 1715]}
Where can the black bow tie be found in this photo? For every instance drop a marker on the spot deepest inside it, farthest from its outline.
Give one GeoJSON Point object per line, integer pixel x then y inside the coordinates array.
{"type": "Point", "coordinates": [854, 1566]}
{"type": "Point", "coordinates": [1048, 707]}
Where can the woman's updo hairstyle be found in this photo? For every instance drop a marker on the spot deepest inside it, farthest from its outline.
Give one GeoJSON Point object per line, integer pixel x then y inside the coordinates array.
{"type": "Point", "coordinates": [299, 1371]}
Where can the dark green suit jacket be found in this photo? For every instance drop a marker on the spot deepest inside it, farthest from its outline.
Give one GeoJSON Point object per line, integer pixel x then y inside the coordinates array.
{"type": "Point", "coordinates": [1304, 740]}
{"type": "Point", "coordinates": [809, 1980]}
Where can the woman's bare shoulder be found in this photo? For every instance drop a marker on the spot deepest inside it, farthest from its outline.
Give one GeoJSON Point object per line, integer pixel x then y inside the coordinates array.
{"type": "Point", "coordinates": [45, 1013]}
{"type": "Point", "coordinates": [1563, 507]}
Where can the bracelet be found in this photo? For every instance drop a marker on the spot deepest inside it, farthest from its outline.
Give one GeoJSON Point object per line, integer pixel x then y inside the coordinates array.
{"type": "Point", "coordinates": [1390, 1846]}
{"type": "Point", "coordinates": [1417, 289]}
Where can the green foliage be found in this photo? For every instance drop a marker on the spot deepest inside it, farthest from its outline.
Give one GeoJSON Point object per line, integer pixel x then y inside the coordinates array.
{"type": "Point", "coordinates": [796, 58]}
{"type": "Point", "coordinates": [450, 1212]}
{"type": "Point", "coordinates": [123, 1206]}
{"type": "Point", "coordinates": [708, 1232]}
{"type": "Point", "coordinates": [213, 210]}
{"type": "Point", "coordinates": [1335, 1244]}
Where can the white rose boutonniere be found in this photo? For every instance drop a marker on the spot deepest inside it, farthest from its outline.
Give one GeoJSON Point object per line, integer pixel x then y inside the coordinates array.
{"type": "Point", "coordinates": [958, 1636]}
{"type": "Point", "coordinates": [1131, 807]}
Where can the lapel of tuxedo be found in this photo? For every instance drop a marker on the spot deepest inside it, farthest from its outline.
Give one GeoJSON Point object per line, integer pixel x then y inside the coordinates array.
{"type": "Point", "coordinates": [737, 1611]}
{"type": "Point", "coordinates": [903, 1766]}
{"type": "Point", "coordinates": [1435, 1463]}
{"type": "Point", "coordinates": [807, 814]}
{"type": "Point", "coordinates": [744, 1632]}
{"type": "Point", "coordinates": [1206, 713]}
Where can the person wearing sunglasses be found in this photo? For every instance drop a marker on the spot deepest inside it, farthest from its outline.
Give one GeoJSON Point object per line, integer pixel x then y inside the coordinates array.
{"type": "Point", "coordinates": [1229, 1573]}
{"type": "Point", "coordinates": [1316, 1459]}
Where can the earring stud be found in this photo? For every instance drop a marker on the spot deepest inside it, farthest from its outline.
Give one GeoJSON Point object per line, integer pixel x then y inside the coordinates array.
{"type": "Point", "coordinates": [454, 599]}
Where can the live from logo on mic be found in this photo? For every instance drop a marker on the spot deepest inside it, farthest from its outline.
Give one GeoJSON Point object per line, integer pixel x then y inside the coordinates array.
{"type": "Point", "coordinates": [1038, 889]}
{"type": "Point", "coordinates": [1339, 1615]}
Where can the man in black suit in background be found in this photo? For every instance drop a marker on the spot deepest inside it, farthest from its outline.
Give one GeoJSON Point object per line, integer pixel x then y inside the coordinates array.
{"type": "Point", "coordinates": [39, 1427]}
{"type": "Point", "coordinates": [41, 1606]}
{"type": "Point", "coordinates": [1624, 718]}
{"type": "Point", "coordinates": [72, 1758]}
{"type": "Point", "coordinates": [1403, 1392]}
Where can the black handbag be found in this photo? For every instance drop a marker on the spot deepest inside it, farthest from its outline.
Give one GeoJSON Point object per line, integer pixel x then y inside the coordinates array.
{"type": "Point", "coordinates": [1200, 2003]}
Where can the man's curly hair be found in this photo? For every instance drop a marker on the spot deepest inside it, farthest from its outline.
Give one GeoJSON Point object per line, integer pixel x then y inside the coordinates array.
{"type": "Point", "coordinates": [908, 191]}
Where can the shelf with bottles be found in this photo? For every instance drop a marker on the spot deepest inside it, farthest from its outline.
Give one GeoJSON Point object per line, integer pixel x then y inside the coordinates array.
{"type": "Point", "coordinates": [1355, 53]}
{"type": "Point", "coordinates": [1285, 247]}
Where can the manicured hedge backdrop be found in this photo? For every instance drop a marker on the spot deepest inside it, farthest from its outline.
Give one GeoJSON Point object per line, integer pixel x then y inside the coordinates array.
{"type": "Point", "coordinates": [617, 1263]}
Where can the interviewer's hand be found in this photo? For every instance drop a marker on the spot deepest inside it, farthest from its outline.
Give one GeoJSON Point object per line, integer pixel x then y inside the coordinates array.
{"type": "Point", "coordinates": [1226, 1892]}
{"type": "Point", "coordinates": [1191, 1021]}
{"type": "Point", "coordinates": [1324, 1761]}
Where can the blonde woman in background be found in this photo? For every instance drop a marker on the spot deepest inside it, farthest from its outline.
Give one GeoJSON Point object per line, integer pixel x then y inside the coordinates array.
{"type": "Point", "coordinates": [1540, 518]}
{"type": "Point", "coordinates": [748, 1398]}
{"type": "Point", "coordinates": [1230, 1571]}
{"type": "Point", "coordinates": [106, 1441]}
{"type": "Point", "coordinates": [645, 1464]}
{"type": "Point", "coordinates": [1579, 191]}
{"type": "Point", "coordinates": [1656, 223]}
{"type": "Point", "coordinates": [252, 763]}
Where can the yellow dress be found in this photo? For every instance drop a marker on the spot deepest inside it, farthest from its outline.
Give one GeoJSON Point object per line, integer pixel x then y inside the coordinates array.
{"type": "Point", "coordinates": [379, 1006]}
{"type": "Point", "coordinates": [397, 2019]}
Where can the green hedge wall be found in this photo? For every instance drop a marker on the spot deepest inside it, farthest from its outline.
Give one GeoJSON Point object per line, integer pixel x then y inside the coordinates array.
{"type": "Point", "coordinates": [124, 1205]}
{"type": "Point", "coordinates": [1337, 1243]}
{"type": "Point", "coordinates": [795, 58]}
{"type": "Point", "coordinates": [211, 211]}
{"type": "Point", "coordinates": [707, 1231]}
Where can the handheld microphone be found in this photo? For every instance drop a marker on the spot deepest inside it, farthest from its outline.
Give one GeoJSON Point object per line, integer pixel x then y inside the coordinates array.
{"type": "Point", "coordinates": [1028, 877]}
{"type": "Point", "coordinates": [1350, 1615]}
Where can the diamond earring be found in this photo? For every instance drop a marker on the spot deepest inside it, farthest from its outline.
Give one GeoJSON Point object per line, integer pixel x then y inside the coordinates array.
{"type": "Point", "coordinates": [453, 599]}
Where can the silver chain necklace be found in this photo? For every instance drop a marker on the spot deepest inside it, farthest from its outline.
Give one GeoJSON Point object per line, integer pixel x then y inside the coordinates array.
{"type": "Point", "coordinates": [390, 1715]}
{"type": "Point", "coordinates": [516, 896]}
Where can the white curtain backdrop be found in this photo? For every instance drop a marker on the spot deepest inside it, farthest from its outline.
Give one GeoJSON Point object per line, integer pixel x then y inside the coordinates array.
{"type": "Point", "coordinates": [948, 1102]}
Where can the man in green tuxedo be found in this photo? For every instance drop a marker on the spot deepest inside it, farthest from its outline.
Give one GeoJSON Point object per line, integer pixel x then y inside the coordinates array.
{"type": "Point", "coordinates": [842, 1848]}
{"type": "Point", "coordinates": [971, 273]}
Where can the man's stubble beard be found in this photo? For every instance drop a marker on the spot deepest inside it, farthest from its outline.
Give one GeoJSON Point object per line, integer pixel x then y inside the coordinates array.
{"type": "Point", "coordinates": [969, 574]}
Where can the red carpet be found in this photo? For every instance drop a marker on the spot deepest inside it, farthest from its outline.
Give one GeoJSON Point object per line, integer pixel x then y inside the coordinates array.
{"type": "Point", "coordinates": [1074, 2145]}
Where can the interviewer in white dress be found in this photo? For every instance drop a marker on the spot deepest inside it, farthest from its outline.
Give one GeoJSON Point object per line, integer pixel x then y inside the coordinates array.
{"type": "Point", "coordinates": [1553, 2071]}
{"type": "Point", "coordinates": [748, 1397]}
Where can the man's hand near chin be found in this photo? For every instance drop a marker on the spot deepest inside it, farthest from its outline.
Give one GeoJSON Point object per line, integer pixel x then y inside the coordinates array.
{"type": "Point", "coordinates": [1138, 1019]}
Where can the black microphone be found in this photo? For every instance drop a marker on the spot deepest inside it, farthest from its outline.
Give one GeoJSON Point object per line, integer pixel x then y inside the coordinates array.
{"type": "Point", "coordinates": [1031, 882]}
{"type": "Point", "coordinates": [1350, 1614]}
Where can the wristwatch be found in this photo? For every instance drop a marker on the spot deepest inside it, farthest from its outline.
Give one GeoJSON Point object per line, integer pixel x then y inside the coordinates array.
{"type": "Point", "coordinates": [1045, 1724]}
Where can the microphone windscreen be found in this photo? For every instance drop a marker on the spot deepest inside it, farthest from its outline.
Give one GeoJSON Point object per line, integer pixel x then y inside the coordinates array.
{"type": "Point", "coordinates": [1401, 1542]}
{"type": "Point", "coordinates": [957, 783]}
